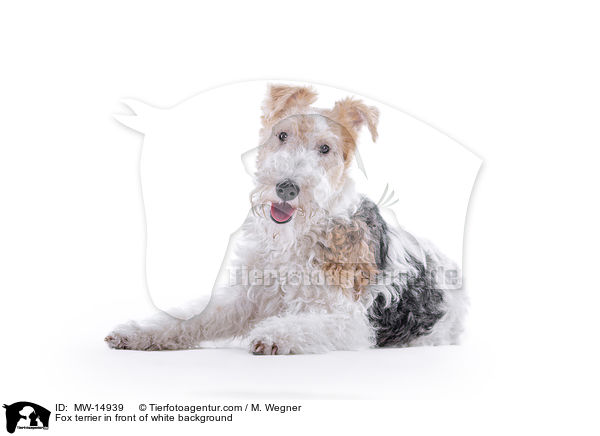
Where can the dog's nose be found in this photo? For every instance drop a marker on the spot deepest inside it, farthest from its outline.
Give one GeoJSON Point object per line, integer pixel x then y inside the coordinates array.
{"type": "Point", "coordinates": [287, 190]}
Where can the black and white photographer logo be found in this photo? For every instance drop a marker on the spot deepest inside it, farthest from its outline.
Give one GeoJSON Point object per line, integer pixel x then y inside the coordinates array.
{"type": "Point", "coordinates": [26, 415]}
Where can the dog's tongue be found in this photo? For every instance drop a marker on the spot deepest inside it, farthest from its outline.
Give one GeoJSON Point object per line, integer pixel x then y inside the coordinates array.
{"type": "Point", "coordinates": [281, 212]}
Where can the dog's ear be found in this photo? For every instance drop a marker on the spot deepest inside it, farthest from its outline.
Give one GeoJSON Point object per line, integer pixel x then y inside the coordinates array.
{"type": "Point", "coordinates": [352, 114]}
{"type": "Point", "coordinates": [281, 98]}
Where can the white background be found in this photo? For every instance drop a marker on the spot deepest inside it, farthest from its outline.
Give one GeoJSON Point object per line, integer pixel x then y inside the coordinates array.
{"type": "Point", "coordinates": [516, 82]}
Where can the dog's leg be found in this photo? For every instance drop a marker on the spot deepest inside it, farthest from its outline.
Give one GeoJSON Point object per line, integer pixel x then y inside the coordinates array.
{"type": "Point", "coordinates": [311, 333]}
{"type": "Point", "coordinates": [227, 315]}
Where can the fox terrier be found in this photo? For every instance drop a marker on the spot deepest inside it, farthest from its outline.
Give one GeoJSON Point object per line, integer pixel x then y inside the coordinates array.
{"type": "Point", "coordinates": [322, 270]}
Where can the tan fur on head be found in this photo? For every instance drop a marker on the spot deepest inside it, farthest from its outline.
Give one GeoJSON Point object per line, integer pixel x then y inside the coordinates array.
{"type": "Point", "coordinates": [350, 114]}
{"type": "Point", "coordinates": [353, 114]}
{"type": "Point", "coordinates": [285, 100]}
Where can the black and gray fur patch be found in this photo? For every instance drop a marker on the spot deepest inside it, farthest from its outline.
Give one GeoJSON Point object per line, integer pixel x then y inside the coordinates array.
{"type": "Point", "coordinates": [379, 238]}
{"type": "Point", "coordinates": [419, 307]}
{"type": "Point", "coordinates": [420, 303]}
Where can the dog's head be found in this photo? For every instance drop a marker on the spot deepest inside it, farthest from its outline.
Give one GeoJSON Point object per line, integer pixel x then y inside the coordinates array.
{"type": "Point", "coordinates": [305, 152]}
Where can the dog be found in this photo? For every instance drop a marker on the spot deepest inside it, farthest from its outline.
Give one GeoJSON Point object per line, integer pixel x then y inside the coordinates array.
{"type": "Point", "coordinates": [321, 269]}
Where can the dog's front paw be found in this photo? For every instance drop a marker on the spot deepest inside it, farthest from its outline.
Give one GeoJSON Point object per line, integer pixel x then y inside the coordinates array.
{"type": "Point", "coordinates": [130, 337]}
{"type": "Point", "coordinates": [262, 348]}
{"type": "Point", "coordinates": [117, 340]}
{"type": "Point", "coordinates": [268, 347]}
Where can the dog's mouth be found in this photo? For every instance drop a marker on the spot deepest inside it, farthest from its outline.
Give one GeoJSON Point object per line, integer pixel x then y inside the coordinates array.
{"type": "Point", "coordinates": [282, 213]}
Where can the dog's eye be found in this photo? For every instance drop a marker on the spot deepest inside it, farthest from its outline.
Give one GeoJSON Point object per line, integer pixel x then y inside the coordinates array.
{"type": "Point", "coordinates": [324, 149]}
{"type": "Point", "coordinates": [282, 136]}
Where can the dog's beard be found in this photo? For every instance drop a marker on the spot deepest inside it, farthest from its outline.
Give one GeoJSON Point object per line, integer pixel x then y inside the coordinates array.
{"type": "Point", "coordinates": [278, 213]}
{"type": "Point", "coordinates": [283, 213]}
{"type": "Point", "coordinates": [308, 210]}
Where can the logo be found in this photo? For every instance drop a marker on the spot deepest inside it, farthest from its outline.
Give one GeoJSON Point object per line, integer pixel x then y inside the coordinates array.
{"type": "Point", "coordinates": [26, 415]}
